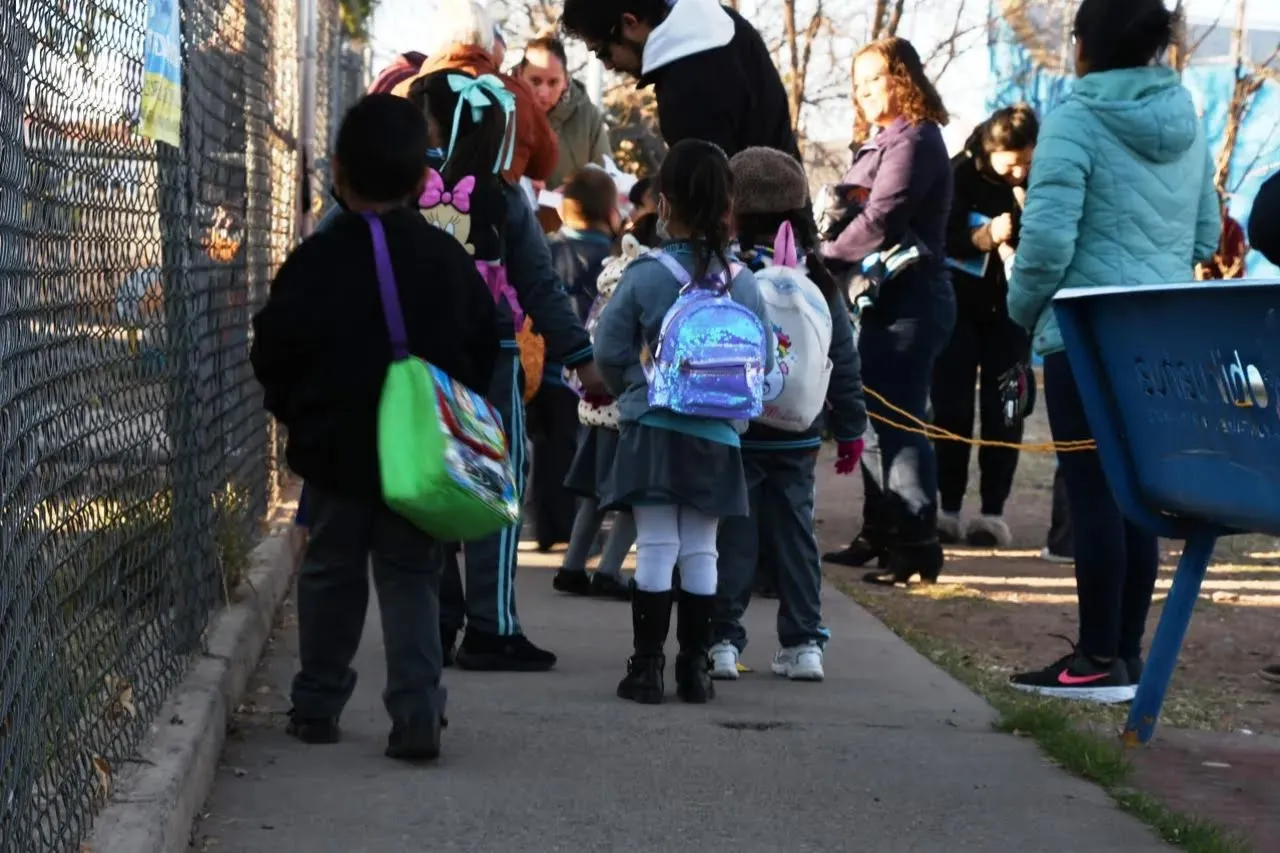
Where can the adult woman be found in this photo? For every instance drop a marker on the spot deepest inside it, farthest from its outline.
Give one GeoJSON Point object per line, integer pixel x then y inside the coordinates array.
{"type": "Point", "coordinates": [1121, 194]}
{"type": "Point", "coordinates": [982, 234]}
{"type": "Point", "coordinates": [577, 123]}
{"type": "Point", "coordinates": [907, 172]}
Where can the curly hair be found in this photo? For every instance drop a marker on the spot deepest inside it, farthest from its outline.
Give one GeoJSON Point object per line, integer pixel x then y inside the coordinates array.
{"type": "Point", "coordinates": [911, 87]}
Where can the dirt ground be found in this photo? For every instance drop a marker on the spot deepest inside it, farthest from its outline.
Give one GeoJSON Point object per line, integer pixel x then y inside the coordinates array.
{"type": "Point", "coordinates": [1002, 607]}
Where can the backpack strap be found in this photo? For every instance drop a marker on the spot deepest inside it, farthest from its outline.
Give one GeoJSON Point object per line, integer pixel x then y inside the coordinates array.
{"type": "Point", "coordinates": [724, 281]}
{"type": "Point", "coordinates": [387, 288]}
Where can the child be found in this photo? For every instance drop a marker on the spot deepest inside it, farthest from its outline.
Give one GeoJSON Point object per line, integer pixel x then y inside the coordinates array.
{"type": "Point", "coordinates": [770, 190]}
{"type": "Point", "coordinates": [679, 473]}
{"type": "Point", "coordinates": [591, 222]}
{"type": "Point", "coordinates": [596, 447]}
{"type": "Point", "coordinates": [321, 351]}
{"type": "Point", "coordinates": [470, 130]}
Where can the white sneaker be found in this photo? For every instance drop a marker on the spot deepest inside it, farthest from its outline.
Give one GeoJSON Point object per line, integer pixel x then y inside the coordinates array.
{"type": "Point", "coordinates": [800, 663]}
{"type": "Point", "coordinates": [724, 661]}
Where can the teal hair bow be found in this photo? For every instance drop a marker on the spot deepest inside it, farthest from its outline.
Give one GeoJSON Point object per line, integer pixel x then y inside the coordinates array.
{"type": "Point", "coordinates": [481, 93]}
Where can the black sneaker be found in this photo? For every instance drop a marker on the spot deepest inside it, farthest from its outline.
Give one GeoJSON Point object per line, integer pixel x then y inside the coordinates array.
{"type": "Point", "coordinates": [313, 730]}
{"type": "Point", "coordinates": [415, 740]}
{"type": "Point", "coordinates": [492, 653]}
{"type": "Point", "coordinates": [608, 586]}
{"type": "Point", "coordinates": [572, 582]}
{"type": "Point", "coordinates": [1078, 676]}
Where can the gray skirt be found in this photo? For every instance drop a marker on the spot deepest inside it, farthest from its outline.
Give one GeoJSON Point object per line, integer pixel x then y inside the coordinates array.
{"type": "Point", "coordinates": [661, 466]}
{"type": "Point", "coordinates": [592, 461]}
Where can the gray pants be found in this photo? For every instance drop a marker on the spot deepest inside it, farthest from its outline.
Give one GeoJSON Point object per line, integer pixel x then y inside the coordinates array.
{"type": "Point", "coordinates": [333, 598]}
{"type": "Point", "coordinates": [488, 604]}
{"type": "Point", "coordinates": [776, 539]}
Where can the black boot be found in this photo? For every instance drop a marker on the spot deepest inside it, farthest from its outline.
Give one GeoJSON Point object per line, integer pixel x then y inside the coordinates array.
{"type": "Point", "coordinates": [906, 560]}
{"type": "Point", "coordinates": [650, 622]}
{"type": "Point", "coordinates": [693, 630]}
{"type": "Point", "coordinates": [871, 545]}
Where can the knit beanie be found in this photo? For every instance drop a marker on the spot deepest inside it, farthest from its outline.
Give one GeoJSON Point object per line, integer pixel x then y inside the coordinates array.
{"type": "Point", "coordinates": [1264, 220]}
{"type": "Point", "coordinates": [766, 180]}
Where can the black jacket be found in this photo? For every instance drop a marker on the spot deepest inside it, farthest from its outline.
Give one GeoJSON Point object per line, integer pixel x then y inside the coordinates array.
{"type": "Point", "coordinates": [978, 191]}
{"type": "Point", "coordinates": [321, 349]}
{"type": "Point", "coordinates": [730, 95]}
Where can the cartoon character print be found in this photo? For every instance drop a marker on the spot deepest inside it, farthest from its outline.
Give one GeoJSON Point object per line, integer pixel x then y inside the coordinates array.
{"type": "Point", "coordinates": [776, 380]}
{"type": "Point", "coordinates": [449, 210]}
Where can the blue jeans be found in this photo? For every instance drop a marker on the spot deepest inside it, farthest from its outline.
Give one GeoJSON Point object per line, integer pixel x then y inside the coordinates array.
{"type": "Point", "coordinates": [1116, 561]}
{"type": "Point", "coordinates": [899, 341]}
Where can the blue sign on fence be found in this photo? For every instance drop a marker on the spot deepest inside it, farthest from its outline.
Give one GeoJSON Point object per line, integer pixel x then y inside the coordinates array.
{"type": "Point", "coordinates": [161, 106]}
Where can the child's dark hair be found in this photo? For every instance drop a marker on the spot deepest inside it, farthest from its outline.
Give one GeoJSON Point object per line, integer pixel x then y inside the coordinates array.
{"type": "Point", "coordinates": [1123, 35]}
{"type": "Point", "coordinates": [645, 229]}
{"type": "Point", "coordinates": [382, 148]}
{"type": "Point", "coordinates": [697, 183]}
{"type": "Point", "coordinates": [478, 144]}
{"type": "Point", "coordinates": [759, 229]}
{"type": "Point", "coordinates": [639, 191]}
{"type": "Point", "coordinates": [1012, 128]}
{"type": "Point", "coordinates": [591, 195]}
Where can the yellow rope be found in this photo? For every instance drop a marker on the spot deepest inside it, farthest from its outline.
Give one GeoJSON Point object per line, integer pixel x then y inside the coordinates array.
{"type": "Point", "coordinates": [936, 433]}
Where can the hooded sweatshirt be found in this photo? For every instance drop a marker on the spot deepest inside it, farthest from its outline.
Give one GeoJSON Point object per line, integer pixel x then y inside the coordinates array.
{"type": "Point", "coordinates": [1121, 193]}
{"type": "Point", "coordinates": [581, 131]}
{"type": "Point", "coordinates": [536, 148]}
{"type": "Point", "coordinates": [714, 79]}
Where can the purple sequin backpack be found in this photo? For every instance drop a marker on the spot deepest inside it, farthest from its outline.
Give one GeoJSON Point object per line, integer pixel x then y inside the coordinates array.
{"type": "Point", "coordinates": [710, 357]}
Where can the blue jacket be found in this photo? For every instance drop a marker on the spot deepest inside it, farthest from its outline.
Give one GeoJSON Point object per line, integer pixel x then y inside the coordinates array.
{"type": "Point", "coordinates": [1121, 193]}
{"type": "Point", "coordinates": [633, 319]}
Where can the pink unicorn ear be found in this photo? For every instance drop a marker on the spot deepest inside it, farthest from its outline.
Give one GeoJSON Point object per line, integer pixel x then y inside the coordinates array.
{"type": "Point", "coordinates": [784, 247]}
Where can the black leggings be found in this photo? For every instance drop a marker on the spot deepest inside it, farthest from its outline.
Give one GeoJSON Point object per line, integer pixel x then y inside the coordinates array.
{"type": "Point", "coordinates": [987, 344]}
{"type": "Point", "coordinates": [1116, 561]}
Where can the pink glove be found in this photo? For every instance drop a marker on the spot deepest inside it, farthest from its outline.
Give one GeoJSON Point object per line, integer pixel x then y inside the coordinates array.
{"type": "Point", "coordinates": [847, 455]}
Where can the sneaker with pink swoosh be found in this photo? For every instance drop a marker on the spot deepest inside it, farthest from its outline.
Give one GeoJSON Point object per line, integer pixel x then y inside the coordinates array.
{"type": "Point", "coordinates": [1080, 677]}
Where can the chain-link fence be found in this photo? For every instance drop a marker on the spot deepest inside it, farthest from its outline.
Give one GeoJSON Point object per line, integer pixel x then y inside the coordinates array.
{"type": "Point", "coordinates": [136, 462]}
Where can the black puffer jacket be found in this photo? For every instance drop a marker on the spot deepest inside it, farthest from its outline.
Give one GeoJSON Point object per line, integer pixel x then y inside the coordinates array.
{"type": "Point", "coordinates": [978, 191]}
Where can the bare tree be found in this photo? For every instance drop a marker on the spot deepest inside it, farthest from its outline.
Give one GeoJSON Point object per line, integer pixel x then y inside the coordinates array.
{"type": "Point", "coordinates": [1248, 80]}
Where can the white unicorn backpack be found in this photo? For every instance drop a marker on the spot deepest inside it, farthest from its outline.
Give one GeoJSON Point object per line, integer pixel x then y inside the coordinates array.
{"type": "Point", "coordinates": [589, 413]}
{"type": "Point", "coordinates": [795, 391]}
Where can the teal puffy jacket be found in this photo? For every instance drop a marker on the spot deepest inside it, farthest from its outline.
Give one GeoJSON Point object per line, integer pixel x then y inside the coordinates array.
{"type": "Point", "coordinates": [1121, 193]}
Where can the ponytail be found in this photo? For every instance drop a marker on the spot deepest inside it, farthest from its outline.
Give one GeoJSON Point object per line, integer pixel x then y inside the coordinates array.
{"type": "Point", "coordinates": [697, 183]}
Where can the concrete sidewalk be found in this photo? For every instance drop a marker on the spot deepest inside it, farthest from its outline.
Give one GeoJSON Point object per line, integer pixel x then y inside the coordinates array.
{"type": "Point", "coordinates": [889, 754]}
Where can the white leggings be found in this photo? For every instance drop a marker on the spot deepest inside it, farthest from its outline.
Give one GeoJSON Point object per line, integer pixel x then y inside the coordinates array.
{"type": "Point", "coordinates": [667, 535]}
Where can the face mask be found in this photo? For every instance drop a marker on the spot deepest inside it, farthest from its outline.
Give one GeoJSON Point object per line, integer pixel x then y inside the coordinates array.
{"type": "Point", "coordinates": [436, 158]}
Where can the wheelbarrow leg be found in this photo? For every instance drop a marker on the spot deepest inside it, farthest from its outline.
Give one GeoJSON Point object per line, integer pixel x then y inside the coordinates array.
{"type": "Point", "coordinates": [1170, 633]}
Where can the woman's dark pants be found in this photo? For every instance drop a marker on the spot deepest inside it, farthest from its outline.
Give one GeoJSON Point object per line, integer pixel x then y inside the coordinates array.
{"type": "Point", "coordinates": [1116, 561]}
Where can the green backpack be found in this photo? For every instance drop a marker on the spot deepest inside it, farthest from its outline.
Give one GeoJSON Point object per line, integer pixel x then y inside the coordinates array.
{"type": "Point", "coordinates": [442, 451]}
